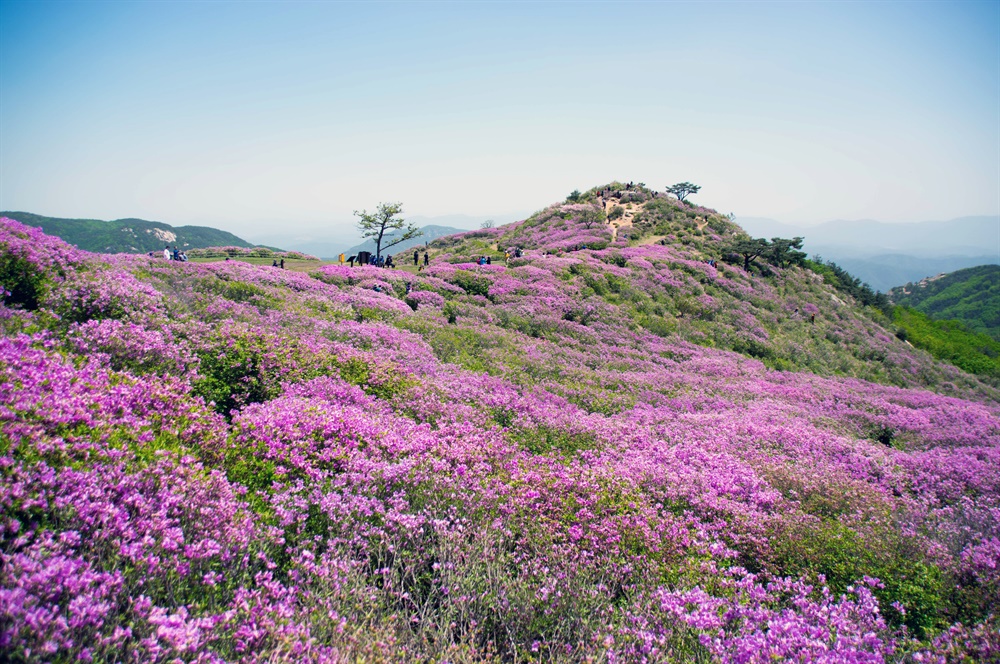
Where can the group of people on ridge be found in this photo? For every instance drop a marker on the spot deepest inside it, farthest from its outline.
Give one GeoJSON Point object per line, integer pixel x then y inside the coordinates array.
{"type": "Point", "coordinates": [173, 255]}
{"type": "Point", "coordinates": [366, 258]}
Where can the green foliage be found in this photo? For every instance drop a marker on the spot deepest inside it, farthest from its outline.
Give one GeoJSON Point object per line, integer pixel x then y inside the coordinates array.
{"type": "Point", "coordinates": [235, 374]}
{"type": "Point", "coordinates": [754, 347]}
{"type": "Point", "coordinates": [785, 253]}
{"type": "Point", "coordinates": [574, 196]}
{"type": "Point", "coordinates": [845, 282]}
{"type": "Point", "coordinates": [473, 284]}
{"type": "Point", "coordinates": [749, 249]}
{"type": "Point", "coordinates": [239, 291]}
{"type": "Point", "coordinates": [616, 212]}
{"type": "Point", "coordinates": [844, 556]}
{"type": "Point", "coordinates": [591, 217]}
{"type": "Point", "coordinates": [244, 464]}
{"type": "Point", "coordinates": [451, 312]}
{"type": "Point", "coordinates": [659, 326]}
{"type": "Point", "coordinates": [545, 440]}
{"type": "Point", "coordinates": [24, 284]}
{"type": "Point", "coordinates": [615, 259]}
{"type": "Point", "coordinates": [950, 341]}
{"type": "Point", "coordinates": [383, 384]}
{"type": "Point", "coordinates": [971, 296]}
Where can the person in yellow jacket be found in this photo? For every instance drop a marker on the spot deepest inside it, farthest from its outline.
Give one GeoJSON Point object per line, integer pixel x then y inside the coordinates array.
{"type": "Point", "coordinates": [342, 259]}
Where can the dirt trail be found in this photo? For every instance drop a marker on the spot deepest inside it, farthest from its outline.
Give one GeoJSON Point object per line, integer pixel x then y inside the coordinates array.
{"type": "Point", "coordinates": [624, 221]}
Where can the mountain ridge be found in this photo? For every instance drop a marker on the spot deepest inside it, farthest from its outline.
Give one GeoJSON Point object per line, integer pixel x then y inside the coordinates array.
{"type": "Point", "coordinates": [129, 235]}
{"type": "Point", "coordinates": [971, 295]}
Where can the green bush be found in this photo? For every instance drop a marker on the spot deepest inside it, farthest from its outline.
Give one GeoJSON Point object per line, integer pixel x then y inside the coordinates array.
{"type": "Point", "coordinates": [23, 282]}
{"type": "Point", "coordinates": [844, 557]}
{"type": "Point", "coordinates": [236, 373]}
{"type": "Point", "coordinates": [545, 439]}
{"type": "Point", "coordinates": [472, 284]}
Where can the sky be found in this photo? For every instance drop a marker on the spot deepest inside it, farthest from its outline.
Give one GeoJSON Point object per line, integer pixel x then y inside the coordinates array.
{"type": "Point", "coordinates": [262, 118]}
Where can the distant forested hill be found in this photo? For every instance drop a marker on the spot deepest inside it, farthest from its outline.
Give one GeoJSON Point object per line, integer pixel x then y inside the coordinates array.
{"type": "Point", "coordinates": [128, 235]}
{"type": "Point", "coordinates": [971, 296]}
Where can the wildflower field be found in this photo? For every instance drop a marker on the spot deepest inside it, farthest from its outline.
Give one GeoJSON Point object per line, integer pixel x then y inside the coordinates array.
{"type": "Point", "coordinates": [612, 454]}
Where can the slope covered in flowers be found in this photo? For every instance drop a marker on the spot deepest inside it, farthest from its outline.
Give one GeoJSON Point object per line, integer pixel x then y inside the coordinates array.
{"type": "Point", "coordinates": [611, 454]}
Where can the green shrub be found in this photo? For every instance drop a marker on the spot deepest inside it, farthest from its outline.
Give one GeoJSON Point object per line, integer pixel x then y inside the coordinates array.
{"type": "Point", "coordinates": [545, 439]}
{"type": "Point", "coordinates": [235, 374]}
{"type": "Point", "coordinates": [472, 284]}
{"type": "Point", "coordinates": [23, 282]}
{"type": "Point", "coordinates": [844, 558]}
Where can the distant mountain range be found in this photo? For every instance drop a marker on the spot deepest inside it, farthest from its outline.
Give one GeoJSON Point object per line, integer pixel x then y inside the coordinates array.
{"type": "Point", "coordinates": [885, 255]}
{"type": "Point", "coordinates": [971, 296]}
{"type": "Point", "coordinates": [128, 235]}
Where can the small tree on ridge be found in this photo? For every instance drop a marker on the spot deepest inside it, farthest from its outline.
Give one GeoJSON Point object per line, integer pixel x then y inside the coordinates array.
{"type": "Point", "coordinates": [376, 224]}
{"type": "Point", "coordinates": [683, 189]}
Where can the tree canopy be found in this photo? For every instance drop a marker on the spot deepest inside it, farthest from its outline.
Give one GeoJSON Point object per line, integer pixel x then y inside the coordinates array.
{"type": "Point", "coordinates": [749, 248]}
{"type": "Point", "coordinates": [592, 216]}
{"type": "Point", "coordinates": [383, 220]}
{"type": "Point", "coordinates": [783, 252]}
{"type": "Point", "coordinates": [683, 189]}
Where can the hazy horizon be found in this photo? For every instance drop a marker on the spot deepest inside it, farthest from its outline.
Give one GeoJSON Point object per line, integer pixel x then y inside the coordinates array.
{"type": "Point", "coordinates": [248, 117]}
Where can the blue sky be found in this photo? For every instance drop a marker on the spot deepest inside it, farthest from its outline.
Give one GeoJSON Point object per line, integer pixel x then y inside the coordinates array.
{"type": "Point", "coordinates": [259, 117]}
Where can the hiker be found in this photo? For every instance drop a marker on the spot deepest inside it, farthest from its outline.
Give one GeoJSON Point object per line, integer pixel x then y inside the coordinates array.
{"type": "Point", "coordinates": [377, 288]}
{"type": "Point", "coordinates": [426, 261]}
{"type": "Point", "coordinates": [177, 253]}
{"type": "Point", "coordinates": [274, 263]}
{"type": "Point", "coordinates": [184, 257]}
{"type": "Point", "coordinates": [227, 258]}
{"type": "Point", "coordinates": [388, 262]}
{"type": "Point", "coordinates": [416, 257]}
{"type": "Point", "coordinates": [282, 263]}
{"type": "Point", "coordinates": [166, 253]}
{"type": "Point", "coordinates": [409, 287]}
{"type": "Point", "coordinates": [351, 259]}
{"type": "Point", "coordinates": [489, 260]}
{"type": "Point", "coordinates": [812, 319]}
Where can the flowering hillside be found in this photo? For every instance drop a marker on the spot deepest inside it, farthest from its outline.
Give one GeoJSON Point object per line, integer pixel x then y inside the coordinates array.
{"type": "Point", "coordinates": [619, 453]}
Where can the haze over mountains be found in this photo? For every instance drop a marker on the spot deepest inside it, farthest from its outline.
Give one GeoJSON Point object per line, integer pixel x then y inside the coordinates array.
{"type": "Point", "coordinates": [890, 254]}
